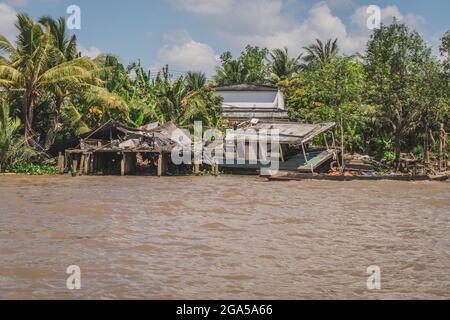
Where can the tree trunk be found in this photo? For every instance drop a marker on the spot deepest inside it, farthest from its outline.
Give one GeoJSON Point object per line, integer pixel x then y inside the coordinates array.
{"type": "Point", "coordinates": [397, 149]}
{"type": "Point", "coordinates": [426, 148]}
{"type": "Point", "coordinates": [442, 137]}
{"type": "Point", "coordinates": [51, 133]}
{"type": "Point", "coordinates": [27, 114]}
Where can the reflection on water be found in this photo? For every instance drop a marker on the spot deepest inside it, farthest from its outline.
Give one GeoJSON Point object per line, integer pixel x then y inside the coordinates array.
{"type": "Point", "coordinates": [222, 238]}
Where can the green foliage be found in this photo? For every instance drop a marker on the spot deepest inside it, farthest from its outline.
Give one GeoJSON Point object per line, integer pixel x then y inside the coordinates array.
{"type": "Point", "coordinates": [331, 92]}
{"type": "Point", "coordinates": [394, 64]}
{"type": "Point", "coordinates": [281, 66]}
{"type": "Point", "coordinates": [33, 169]}
{"type": "Point", "coordinates": [250, 67]}
{"type": "Point", "coordinates": [393, 100]}
{"type": "Point", "coordinates": [13, 149]}
{"type": "Point", "coordinates": [44, 66]}
{"type": "Point", "coordinates": [320, 52]}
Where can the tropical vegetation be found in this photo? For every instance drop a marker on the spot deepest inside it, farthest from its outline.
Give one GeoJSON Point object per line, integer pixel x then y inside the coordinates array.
{"type": "Point", "coordinates": [392, 99]}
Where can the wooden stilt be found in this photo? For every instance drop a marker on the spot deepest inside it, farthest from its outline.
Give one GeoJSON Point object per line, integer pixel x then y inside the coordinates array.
{"type": "Point", "coordinates": [87, 159]}
{"type": "Point", "coordinates": [74, 167]}
{"type": "Point", "coordinates": [91, 163]}
{"type": "Point", "coordinates": [160, 165]}
{"type": "Point", "coordinates": [304, 154]}
{"type": "Point", "coordinates": [82, 160]}
{"type": "Point", "coordinates": [122, 165]}
{"type": "Point", "coordinates": [95, 163]}
{"type": "Point", "coordinates": [196, 167]}
{"type": "Point", "coordinates": [61, 163]}
{"type": "Point", "coordinates": [215, 169]}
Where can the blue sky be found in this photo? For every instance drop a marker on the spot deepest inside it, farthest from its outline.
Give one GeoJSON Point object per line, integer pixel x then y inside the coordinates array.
{"type": "Point", "coordinates": [190, 34]}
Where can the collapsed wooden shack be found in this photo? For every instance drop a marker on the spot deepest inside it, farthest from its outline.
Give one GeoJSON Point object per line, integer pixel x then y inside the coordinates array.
{"type": "Point", "coordinates": [295, 150]}
{"type": "Point", "coordinates": [115, 148]}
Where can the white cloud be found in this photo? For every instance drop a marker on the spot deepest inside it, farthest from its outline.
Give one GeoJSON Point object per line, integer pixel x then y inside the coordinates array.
{"type": "Point", "coordinates": [359, 18]}
{"type": "Point", "coordinates": [319, 24]}
{"type": "Point", "coordinates": [184, 54]}
{"type": "Point", "coordinates": [7, 20]}
{"type": "Point", "coordinates": [269, 23]}
{"type": "Point", "coordinates": [91, 52]}
{"type": "Point", "coordinates": [340, 3]}
{"type": "Point", "coordinates": [248, 17]}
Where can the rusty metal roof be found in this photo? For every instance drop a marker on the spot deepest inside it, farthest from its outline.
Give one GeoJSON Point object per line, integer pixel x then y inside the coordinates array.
{"type": "Point", "coordinates": [289, 132]}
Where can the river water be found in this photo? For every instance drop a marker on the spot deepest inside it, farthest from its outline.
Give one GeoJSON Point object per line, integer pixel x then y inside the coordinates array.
{"type": "Point", "coordinates": [222, 238]}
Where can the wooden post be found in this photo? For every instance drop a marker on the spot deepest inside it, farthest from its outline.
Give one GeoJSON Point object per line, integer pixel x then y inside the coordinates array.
{"type": "Point", "coordinates": [91, 163]}
{"type": "Point", "coordinates": [343, 146]}
{"type": "Point", "coordinates": [326, 141]}
{"type": "Point", "coordinates": [61, 163]}
{"type": "Point", "coordinates": [160, 165]}
{"type": "Point", "coordinates": [74, 167]}
{"type": "Point", "coordinates": [86, 166]}
{"type": "Point", "coordinates": [304, 153]}
{"type": "Point", "coordinates": [217, 169]}
{"type": "Point", "coordinates": [122, 164]}
{"type": "Point", "coordinates": [82, 160]}
{"type": "Point", "coordinates": [196, 167]}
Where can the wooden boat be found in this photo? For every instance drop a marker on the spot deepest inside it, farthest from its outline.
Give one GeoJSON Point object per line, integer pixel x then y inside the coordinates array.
{"type": "Point", "coordinates": [295, 176]}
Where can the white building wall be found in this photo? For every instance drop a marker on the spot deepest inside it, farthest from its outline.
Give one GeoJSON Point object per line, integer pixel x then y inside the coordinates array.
{"type": "Point", "coordinates": [252, 99]}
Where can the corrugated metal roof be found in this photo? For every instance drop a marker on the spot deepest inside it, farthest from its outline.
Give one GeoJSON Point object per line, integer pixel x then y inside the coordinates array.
{"type": "Point", "coordinates": [289, 133]}
{"type": "Point", "coordinates": [246, 87]}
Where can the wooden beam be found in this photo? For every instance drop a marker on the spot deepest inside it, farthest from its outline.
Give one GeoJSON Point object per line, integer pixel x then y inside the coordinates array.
{"type": "Point", "coordinates": [304, 154]}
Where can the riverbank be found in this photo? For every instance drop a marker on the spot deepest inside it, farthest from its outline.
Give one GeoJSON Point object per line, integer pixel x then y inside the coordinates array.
{"type": "Point", "coordinates": [285, 176]}
{"type": "Point", "coordinates": [222, 237]}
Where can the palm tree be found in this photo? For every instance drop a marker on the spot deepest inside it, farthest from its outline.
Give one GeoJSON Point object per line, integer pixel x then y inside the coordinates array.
{"type": "Point", "coordinates": [198, 104]}
{"type": "Point", "coordinates": [195, 80]}
{"type": "Point", "coordinates": [281, 66]}
{"type": "Point", "coordinates": [169, 99]}
{"type": "Point", "coordinates": [67, 51]}
{"type": "Point", "coordinates": [34, 66]}
{"type": "Point", "coordinates": [320, 52]}
{"type": "Point", "coordinates": [231, 72]}
{"type": "Point", "coordinates": [67, 45]}
{"type": "Point", "coordinates": [13, 150]}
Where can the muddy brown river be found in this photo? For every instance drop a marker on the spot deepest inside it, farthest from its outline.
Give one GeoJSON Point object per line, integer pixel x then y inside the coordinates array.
{"type": "Point", "coordinates": [222, 238]}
